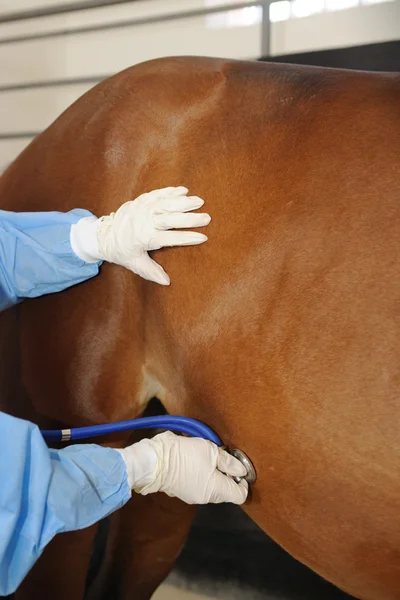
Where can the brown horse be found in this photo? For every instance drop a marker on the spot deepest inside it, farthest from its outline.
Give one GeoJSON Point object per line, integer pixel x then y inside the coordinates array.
{"type": "Point", "coordinates": [282, 332]}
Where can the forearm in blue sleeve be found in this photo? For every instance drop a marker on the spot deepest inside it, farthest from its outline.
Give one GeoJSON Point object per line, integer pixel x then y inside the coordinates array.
{"type": "Point", "coordinates": [36, 257]}
{"type": "Point", "coordinates": [44, 492]}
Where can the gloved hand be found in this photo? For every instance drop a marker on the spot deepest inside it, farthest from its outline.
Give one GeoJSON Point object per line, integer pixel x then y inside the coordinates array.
{"type": "Point", "coordinates": [191, 469]}
{"type": "Point", "coordinates": [139, 226]}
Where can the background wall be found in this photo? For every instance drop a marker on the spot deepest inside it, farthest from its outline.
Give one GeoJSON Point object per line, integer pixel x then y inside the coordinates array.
{"type": "Point", "coordinates": [47, 62]}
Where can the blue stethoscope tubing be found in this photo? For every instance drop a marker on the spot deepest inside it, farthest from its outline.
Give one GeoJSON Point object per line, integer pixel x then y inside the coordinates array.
{"type": "Point", "coordinates": [186, 425]}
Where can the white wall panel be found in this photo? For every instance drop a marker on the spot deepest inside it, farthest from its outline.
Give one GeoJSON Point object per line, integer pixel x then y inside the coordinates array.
{"type": "Point", "coordinates": [9, 150]}
{"type": "Point", "coordinates": [33, 110]}
{"type": "Point", "coordinates": [32, 26]}
{"type": "Point", "coordinates": [31, 61]}
{"type": "Point", "coordinates": [352, 27]}
{"type": "Point", "coordinates": [97, 16]}
{"type": "Point", "coordinates": [7, 6]}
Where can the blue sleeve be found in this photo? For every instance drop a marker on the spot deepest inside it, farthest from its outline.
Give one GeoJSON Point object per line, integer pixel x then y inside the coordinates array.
{"type": "Point", "coordinates": [44, 492]}
{"type": "Point", "coordinates": [36, 257]}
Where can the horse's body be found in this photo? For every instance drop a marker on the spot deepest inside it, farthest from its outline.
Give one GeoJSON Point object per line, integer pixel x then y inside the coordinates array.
{"type": "Point", "coordinates": [282, 332]}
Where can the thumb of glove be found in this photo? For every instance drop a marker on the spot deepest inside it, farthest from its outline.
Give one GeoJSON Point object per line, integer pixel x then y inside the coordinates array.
{"type": "Point", "coordinates": [224, 489]}
{"type": "Point", "coordinates": [147, 268]}
{"type": "Point", "coordinates": [226, 463]}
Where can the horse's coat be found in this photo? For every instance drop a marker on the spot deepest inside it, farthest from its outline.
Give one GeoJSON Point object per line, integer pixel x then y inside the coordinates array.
{"type": "Point", "coordinates": [282, 332]}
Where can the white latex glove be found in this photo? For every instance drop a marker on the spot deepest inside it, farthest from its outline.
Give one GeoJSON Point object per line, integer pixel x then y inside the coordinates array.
{"type": "Point", "coordinates": [139, 226]}
{"type": "Point", "coordinates": [191, 469]}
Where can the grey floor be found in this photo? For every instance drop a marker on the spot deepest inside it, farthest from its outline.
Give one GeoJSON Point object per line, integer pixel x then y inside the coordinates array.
{"type": "Point", "coordinates": [169, 592]}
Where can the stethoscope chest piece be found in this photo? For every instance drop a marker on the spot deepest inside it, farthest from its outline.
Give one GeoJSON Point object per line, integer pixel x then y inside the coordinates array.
{"type": "Point", "coordinates": [244, 459]}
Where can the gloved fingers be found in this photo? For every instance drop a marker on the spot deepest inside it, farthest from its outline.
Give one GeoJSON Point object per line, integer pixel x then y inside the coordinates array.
{"type": "Point", "coordinates": [179, 190]}
{"type": "Point", "coordinates": [168, 192]}
{"type": "Point", "coordinates": [180, 238]}
{"type": "Point", "coordinates": [181, 220]}
{"type": "Point", "coordinates": [179, 204]}
{"type": "Point", "coordinates": [227, 490]}
{"type": "Point", "coordinates": [147, 268]}
{"type": "Point", "coordinates": [160, 194]}
{"type": "Point", "coordinates": [226, 463]}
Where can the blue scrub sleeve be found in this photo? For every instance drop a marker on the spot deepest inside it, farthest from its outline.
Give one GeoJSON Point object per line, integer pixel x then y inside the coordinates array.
{"type": "Point", "coordinates": [36, 256]}
{"type": "Point", "coordinates": [44, 492]}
